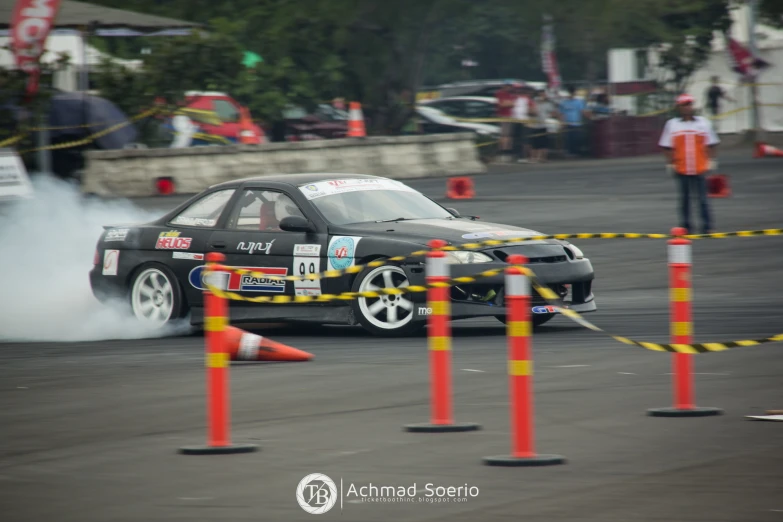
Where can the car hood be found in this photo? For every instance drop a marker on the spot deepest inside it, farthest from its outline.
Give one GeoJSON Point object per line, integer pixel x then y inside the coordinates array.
{"type": "Point", "coordinates": [455, 231]}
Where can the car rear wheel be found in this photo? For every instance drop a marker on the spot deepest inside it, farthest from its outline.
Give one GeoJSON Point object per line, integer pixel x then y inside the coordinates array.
{"type": "Point", "coordinates": [156, 297]}
{"type": "Point", "coordinates": [387, 315]}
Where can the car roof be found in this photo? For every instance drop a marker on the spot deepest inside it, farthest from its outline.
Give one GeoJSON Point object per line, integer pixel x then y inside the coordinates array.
{"type": "Point", "coordinates": [297, 179]}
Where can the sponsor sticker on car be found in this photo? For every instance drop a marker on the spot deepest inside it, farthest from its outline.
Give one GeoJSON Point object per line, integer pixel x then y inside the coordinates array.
{"type": "Point", "coordinates": [255, 247]}
{"type": "Point", "coordinates": [544, 310]}
{"type": "Point", "coordinates": [341, 186]}
{"type": "Point", "coordinates": [342, 250]}
{"type": "Point", "coordinates": [234, 282]}
{"type": "Point", "coordinates": [307, 261]}
{"type": "Point", "coordinates": [116, 234]}
{"type": "Point", "coordinates": [111, 262]}
{"type": "Point", "coordinates": [171, 240]}
{"type": "Point", "coordinates": [188, 255]}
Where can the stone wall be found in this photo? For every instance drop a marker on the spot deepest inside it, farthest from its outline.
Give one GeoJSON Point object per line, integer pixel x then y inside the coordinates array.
{"type": "Point", "coordinates": [133, 172]}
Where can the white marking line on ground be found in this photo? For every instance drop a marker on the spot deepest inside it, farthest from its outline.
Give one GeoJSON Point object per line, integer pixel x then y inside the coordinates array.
{"type": "Point", "coordinates": [695, 373]}
{"type": "Point", "coordinates": [22, 388]}
{"type": "Point", "coordinates": [472, 370]}
{"type": "Point", "coordinates": [627, 373]}
{"type": "Point", "coordinates": [346, 453]}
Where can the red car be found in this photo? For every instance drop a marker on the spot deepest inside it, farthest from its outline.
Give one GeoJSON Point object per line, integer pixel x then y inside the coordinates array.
{"type": "Point", "coordinates": [234, 126]}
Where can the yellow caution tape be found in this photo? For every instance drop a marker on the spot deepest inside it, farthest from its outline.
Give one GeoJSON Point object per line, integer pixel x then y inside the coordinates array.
{"type": "Point", "coordinates": [12, 140]}
{"type": "Point", "coordinates": [330, 274]}
{"type": "Point", "coordinates": [552, 298]}
{"type": "Point", "coordinates": [92, 137]}
{"type": "Point", "coordinates": [345, 296]}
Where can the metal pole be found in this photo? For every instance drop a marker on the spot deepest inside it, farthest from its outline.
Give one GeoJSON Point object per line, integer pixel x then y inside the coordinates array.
{"type": "Point", "coordinates": [753, 5]}
{"type": "Point", "coordinates": [44, 154]}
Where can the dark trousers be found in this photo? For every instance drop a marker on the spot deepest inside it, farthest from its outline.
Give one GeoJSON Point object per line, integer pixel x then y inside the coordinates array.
{"type": "Point", "coordinates": [573, 139]}
{"type": "Point", "coordinates": [697, 184]}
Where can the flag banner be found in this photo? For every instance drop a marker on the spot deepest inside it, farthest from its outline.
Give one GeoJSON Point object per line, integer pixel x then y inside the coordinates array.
{"type": "Point", "coordinates": [31, 22]}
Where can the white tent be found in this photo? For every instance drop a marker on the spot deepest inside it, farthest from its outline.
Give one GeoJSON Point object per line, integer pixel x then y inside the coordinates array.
{"type": "Point", "coordinates": [627, 65]}
{"type": "Point", "coordinates": [737, 116]}
{"type": "Point", "coordinates": [70, 42]}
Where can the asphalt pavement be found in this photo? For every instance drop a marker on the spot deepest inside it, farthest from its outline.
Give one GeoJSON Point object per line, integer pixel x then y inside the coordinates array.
{"type": "Point", "coordinates": [89, 432]}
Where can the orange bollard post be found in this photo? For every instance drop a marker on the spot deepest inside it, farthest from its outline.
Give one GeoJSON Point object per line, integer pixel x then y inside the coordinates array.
{"type": "Point", "coordinates": [218, 404]}
{"type": "Point", "coordinates": [439, 342]}
{"type": "Point", "coordinates": [681, 331]}
{"type": "Point", "coordinates": [520, 371]}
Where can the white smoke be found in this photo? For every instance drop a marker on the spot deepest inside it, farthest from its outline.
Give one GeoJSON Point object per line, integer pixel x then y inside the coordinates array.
{"type": "Point", "coordinates": [48, 244]}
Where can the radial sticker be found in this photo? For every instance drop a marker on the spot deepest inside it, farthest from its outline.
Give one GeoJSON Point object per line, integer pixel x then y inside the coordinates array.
{"type": "Point", "coordinates": [342, 252]}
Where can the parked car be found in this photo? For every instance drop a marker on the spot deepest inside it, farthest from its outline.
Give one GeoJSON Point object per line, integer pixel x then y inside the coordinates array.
{"type": "Point", "coordinates": [434, 121]}
{"type": "Point", "coordinates": [475, 107]}
{"type": "Point", "coordinates": [229, 113]}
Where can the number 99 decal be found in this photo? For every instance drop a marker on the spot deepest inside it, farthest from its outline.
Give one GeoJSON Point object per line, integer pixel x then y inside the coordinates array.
{"type": "Point", "coordinates": [307, 262]}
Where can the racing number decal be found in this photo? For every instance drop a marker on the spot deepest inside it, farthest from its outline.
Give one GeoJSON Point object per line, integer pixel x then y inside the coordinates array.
{"type": "Point", "coordinates": [305, 266]}
{"type": "Point", "coordinates": [307, 260]}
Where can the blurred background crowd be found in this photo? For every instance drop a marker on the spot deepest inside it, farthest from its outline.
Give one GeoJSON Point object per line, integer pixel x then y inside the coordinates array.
{"type": "Point", "coordinates": [535, 81]}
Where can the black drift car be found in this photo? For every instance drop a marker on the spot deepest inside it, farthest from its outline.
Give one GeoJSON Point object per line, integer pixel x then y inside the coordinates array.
{"type": "Point", "coordinates": [292, 225]}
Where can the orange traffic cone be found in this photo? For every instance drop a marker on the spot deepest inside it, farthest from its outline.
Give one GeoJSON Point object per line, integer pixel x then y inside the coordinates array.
{"type": "Point", "coordinates": [764, 150]}
{"type": "Point", "coordinates": [718, 186]}
{"type": "Point", "coordinates": [460, 188]}
{"type": "Point", "coordinates": [356, 121]}
{"type": "Point", "coordinates": [247, 134]}
{"type": "Point", "coordinates": [245, 346]}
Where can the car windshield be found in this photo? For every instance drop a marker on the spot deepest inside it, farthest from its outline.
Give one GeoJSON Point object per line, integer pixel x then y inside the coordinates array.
{"type": "Point", "coordinates": [345, 202]}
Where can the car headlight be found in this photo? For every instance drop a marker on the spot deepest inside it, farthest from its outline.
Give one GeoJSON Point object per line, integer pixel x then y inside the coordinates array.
{"type": "Point", "coordinates": [484, 132]}
{"type": "Point", "coordinates": [577, 253]}
{"type": "Point", "coordinates": [467, 257]}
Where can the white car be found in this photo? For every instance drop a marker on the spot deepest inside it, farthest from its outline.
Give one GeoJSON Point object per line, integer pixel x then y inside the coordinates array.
{"type": "Point", "coordinates": [475, 107]}
{"type": "Point", "coordinates": [435, 121]}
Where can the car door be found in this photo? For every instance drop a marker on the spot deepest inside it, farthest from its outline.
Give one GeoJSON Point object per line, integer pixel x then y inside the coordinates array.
{"type": "Point", "coordinates": [252, 239]}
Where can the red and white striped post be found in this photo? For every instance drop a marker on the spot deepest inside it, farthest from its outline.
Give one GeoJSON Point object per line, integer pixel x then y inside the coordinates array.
{"type": "Point", "coordinates": [681, 319]}
{"type": "Point", "coordinates": [218, 402]}
{"type": "Point", "coordinates": [439, 343]}
{"type": "Point", "coordinates": [520, 371]}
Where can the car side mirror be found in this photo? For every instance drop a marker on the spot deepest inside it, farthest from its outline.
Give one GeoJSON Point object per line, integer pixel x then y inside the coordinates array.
{"type": "Point", "coordinates": [453, 212]}
{"type": "Point", "coordinates": [296, 224]}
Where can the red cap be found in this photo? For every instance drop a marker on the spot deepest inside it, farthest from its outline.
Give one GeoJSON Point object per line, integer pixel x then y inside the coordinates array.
{"type": "Point", "coordinates": [682, 99]}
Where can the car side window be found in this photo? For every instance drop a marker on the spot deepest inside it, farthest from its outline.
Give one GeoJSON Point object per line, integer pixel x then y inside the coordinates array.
{"type": "Point", "coordinates": [226, 111]}
{"type": "Point", "coordinates": [477, 109]}
{"type": "Point", "coordinates": [206, 211]}
{"type": "Point", "coordinates": [262, 210]}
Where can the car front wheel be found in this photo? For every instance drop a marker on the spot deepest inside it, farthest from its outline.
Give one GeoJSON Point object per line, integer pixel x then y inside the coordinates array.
{"type": "Point", "coordinates": [387, 315]}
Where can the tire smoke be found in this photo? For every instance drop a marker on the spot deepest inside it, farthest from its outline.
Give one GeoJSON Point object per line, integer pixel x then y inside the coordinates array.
{"type": "Point", "coordinates": [48, 244]}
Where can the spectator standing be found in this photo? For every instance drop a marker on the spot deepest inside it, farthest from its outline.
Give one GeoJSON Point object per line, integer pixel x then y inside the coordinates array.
{"type": "Point", "coordinates": [689, 143]}
{"type": "Point", "coordinates": [714, 95]}
{"type": "Point", "coordinates": [574, 111]}
{"type": "Point", "coordinates": [539, 139]}
{"type": "Point", "coordinates": [506, 98]}
{"type": "Point", "coordinates": [522, 110]}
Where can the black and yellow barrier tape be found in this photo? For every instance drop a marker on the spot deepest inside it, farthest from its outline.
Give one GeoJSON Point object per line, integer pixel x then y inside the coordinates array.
{"type": "Point", "coordinates": [92, 137]}
{"type": "Point", "coordinates": [613, 235]}
{"type": "Point", "coordinates": [13, 139]}
{"type": "Point", "coordinates": [329, 274]}
{"type": "Point", "coordinates": [345, 296]}
{"type": "Point", "coordinates": [552, 298]}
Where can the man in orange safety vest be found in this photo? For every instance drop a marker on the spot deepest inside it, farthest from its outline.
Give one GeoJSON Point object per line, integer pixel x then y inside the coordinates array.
{"type": "Point", "coordinates": [689, 143]}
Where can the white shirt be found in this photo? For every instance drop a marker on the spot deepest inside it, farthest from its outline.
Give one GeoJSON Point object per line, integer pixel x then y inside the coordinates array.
{"type": "Point", "coordinates": [676, 126]}
{"type": "Point", "coordinates": [521, 109]}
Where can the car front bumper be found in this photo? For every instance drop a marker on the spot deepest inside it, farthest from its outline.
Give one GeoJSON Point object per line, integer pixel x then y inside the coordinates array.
{"type": "Point", "coordinates": [571, 280]}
